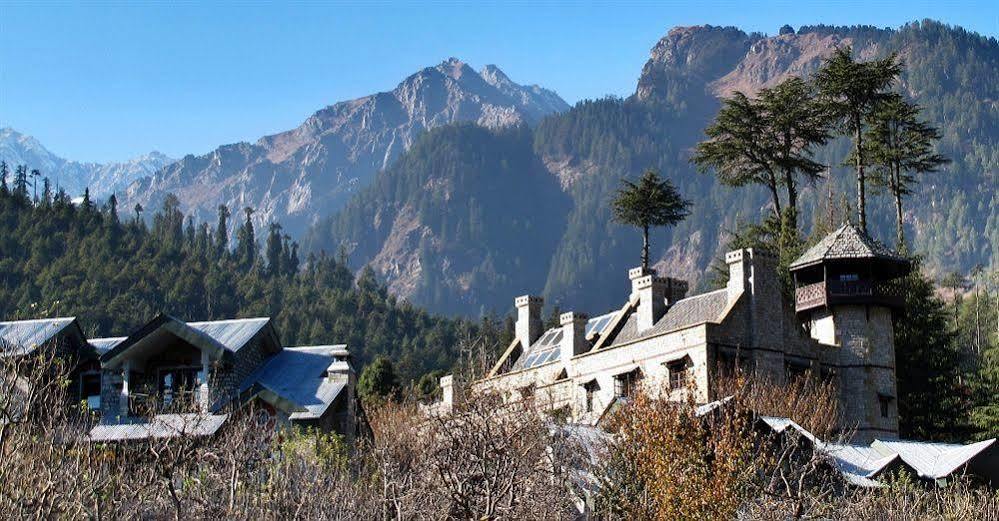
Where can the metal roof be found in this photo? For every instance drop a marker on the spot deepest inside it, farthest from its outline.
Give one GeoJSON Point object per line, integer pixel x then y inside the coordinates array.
{"type": "Point", "coordinates": [160, 426]}
{"type": "Point", "coordinates": [231, 334]}
{"type": "Point", "coordinates": [300, 375]}
{"type": "Point", "coordinates": [24, 336]}
{"type": "Point", "coordinates": [862, 464]}
{"type": "Point", "coordinates": [103, 345]}
{"type": "Point", "coordinates": [848, 242]}
{"type": "Point", "coordinates": [933, 460]}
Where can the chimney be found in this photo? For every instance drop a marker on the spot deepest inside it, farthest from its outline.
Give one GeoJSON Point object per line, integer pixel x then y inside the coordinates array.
{"type": "Point", "coordinates": [573, 335]}
{"type": "Point", "coordinates": [651, 292]}
{"type": "Point", "coordinates": [447, 390]}
{"type": "Point", "coordinates": [739, 272]}
{"type": "Point", "coordinates": [529, 326]}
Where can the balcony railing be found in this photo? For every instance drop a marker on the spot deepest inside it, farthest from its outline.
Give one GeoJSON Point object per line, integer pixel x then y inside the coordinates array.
{"type": "Point", "coordinates": [847, 292]}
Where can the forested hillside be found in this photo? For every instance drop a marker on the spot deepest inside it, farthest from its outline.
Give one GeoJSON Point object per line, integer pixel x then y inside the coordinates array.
{"type": "Point", "coordinates": [951, 218]}
{"type": "Point", "coordinates": [470, 216]}
{"type": "Point", "coordinates": [114, 274]}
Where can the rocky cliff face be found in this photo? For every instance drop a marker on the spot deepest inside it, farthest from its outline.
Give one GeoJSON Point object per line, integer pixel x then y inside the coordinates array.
{"type": "Point", "coordinates": [301, 175]}
{"type": "Point", "coordinates": [74, 176]}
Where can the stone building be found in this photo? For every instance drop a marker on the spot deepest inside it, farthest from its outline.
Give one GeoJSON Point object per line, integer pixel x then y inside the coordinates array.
{"type": "Point", "coordinates": [838, 326]}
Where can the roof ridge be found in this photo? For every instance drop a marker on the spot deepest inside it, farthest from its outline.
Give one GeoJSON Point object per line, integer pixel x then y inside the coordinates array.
{"type": "Point", "coordinates": [31, 320]}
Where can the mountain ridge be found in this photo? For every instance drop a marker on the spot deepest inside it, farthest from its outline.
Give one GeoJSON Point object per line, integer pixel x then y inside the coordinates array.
{"type": "Point", "coordinates": [297, 176]}
{"type": "Point", "coordinates": [589, 148]}
{"type": "Point", "coordinates": [17, 148]}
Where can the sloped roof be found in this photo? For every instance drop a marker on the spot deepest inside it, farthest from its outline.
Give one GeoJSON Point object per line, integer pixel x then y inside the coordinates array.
{"type": "Point", "coordinates": [698, 309]}
{"type": "Point", "coordinates": [862, 464]}
{"type": "Point", "coordinates": [848, 242]}
{"type": "Point", "coordinates": [160, 426]}
{"type": "Point", "coordinates": [299, 376]}
{"type": "Point", "coordinates": [231, 334]}
{"type": "Point", "coordinates": [934, 460]}
{"type": "Point", "coordinates": [24, 336]}
{"type": "Point", "coordinates": [226, 336]}
{"type": "Point", "coordinates": [546, 348]}
{"type": "Point", "coordinates": [103, 345]}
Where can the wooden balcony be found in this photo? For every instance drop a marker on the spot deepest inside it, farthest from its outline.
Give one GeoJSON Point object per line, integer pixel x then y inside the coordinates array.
{"type": "Point", "coordinates": [828, 293]}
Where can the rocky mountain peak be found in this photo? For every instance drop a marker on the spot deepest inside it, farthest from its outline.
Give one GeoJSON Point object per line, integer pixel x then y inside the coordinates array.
{"type": "Point", "coordinates": [303, 174]}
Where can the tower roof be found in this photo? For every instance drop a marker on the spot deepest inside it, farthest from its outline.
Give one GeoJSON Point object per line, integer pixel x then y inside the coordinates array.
{"type": "Point", "coordinates": [848, 243]}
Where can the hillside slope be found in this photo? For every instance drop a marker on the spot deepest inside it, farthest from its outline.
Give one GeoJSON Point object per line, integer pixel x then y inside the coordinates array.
{"type": "Point", "coordinates": [952, 217]}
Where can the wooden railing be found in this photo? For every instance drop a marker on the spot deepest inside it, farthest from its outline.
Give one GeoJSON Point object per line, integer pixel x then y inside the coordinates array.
{"type": "Point", "coordinates": [839, 291]}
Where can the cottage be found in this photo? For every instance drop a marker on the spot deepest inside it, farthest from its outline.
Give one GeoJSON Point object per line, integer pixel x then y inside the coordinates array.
{"type": "Point", "coordinates": [171, 374]}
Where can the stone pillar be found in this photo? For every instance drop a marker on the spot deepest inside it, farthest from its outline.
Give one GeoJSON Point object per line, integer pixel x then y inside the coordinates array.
{"type": "Point", "coordinates": [126, 369]}
{"type": "Point", "coordinates": [204, 394]}
{"type": "Point", "coordinates": [529, 325]}
{"type": "Point", "coordinates": [573, 335]}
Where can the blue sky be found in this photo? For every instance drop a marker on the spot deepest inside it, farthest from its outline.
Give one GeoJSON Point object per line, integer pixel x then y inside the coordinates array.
{"type": "Point", "coordinates": [107, 81]}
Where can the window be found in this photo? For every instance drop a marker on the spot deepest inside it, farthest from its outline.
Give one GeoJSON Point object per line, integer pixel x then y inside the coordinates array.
{"type": "Point", "coordinates": [626, 384]}
{"type": "Point", "coordinates": [591, 388]}
{"type": "Point", "coordinates": [795, 369]}
{"type": "Point", "coordinates": [678, 373]}
{"type": "Point", "coordinates": [885, 401]}
{"type": "Point", "coordinates": [90, 389]}
{"type": "Point", "coordinates": [849, 277]}
{"type": "Point", "coordinates": [526, 392]}
{"type": "Point", "coordinates": [729, 363]}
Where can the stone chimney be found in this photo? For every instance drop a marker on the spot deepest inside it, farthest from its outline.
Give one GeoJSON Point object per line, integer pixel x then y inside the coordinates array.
{"type": "Point", "coordinates": [740, 272]}
{"type": "Point", "coordinates": [529, 326]}
{"type": "Point", "coordinates": [651, 292]}
{"type": "Point", "coordinates": [447, 390]}
{"type": "Point", "coordinates": [573, 335]}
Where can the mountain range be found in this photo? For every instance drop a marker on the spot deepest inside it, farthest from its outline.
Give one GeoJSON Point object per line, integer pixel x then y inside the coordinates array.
{"type": "Point", "coordinates": [419, 224]}
{"type": "Point", "coordinates": [301, 175]}
{"type": "Point", "coordinates": [463, 189]}
{"type": "Point", "coordinates": [75, 176]}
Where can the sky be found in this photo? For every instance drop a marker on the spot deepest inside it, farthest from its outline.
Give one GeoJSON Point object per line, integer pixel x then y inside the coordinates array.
{"type": "Point", "coordinates": [109, 81]}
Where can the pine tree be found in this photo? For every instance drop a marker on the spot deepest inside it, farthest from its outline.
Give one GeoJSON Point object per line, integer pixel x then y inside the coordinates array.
{"type": "Point", "coordinates": [21, 182]}
{"type": "Point", "coordinates": [4, 171]}
{"type": "Point", "coordinates": [653, 201]}
{"type": "Point", "coordinates": [378, 381]}
{"type": "Point", "coordinates": [111, 209]}
{"type": "Point", "coordinates": [246, 246]}
{"type": "Point", "coordinates": [851, 91]}
{"type": "Point", "coordinates": [767, 141]}
{"type": "Point", "coordinates": [274, 250]}
{"type": "Point", "coordinates": [734, 148]}
{"type": "Point", "coordinates": [36, 174]}
{"type": "Point", "coordinates": [222, 232]}
{"type": "Point", "coordinates": [930, 393]}
{"type": "Point", "coordinates": [900, 145]}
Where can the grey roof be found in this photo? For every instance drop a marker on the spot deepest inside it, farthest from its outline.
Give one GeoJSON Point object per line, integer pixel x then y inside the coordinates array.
{"type": "Point", "coordinates": [231, 334]}
{"type": "Point", "coordinates": [706, 307]}
{"type": "Point", "coordinates": [24, 336]}
{"type": "Point", "coordinates": [862, 464]}
{"type": "Point", "coordinates": [848, 242]}
{"type": "Point", "coordinates": [160, 426]}
{"type": "Point", "coordinates": [934, 460]}
{"type": "Point", "coordinates": [103, 345]}
{"type": "Point", "coordinates": [299, 376]}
